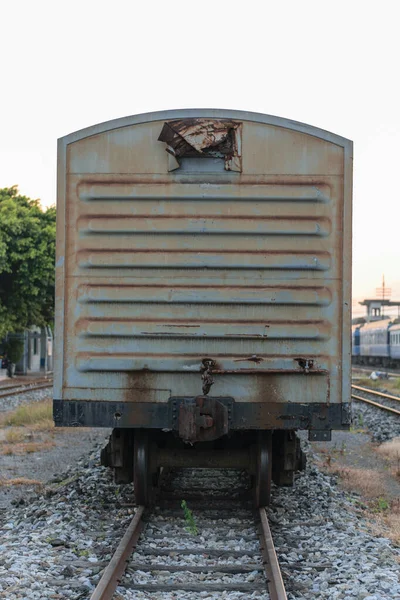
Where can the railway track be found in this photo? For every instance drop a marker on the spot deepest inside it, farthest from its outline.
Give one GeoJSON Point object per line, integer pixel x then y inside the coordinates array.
{"type": "Point", "coordinates": [392, 402]}
{"type": "Point", "coordinates": [220, 547]}
{"type": "Point", "coordinates": [21, 388]}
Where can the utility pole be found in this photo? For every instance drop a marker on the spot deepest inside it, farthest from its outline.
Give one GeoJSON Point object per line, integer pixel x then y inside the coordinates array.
{"type": "Point", "coordinates": [383, 292]}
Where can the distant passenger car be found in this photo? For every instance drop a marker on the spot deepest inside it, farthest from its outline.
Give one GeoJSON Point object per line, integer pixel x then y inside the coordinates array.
{"type": "Point", "coordinates": [376, 343]}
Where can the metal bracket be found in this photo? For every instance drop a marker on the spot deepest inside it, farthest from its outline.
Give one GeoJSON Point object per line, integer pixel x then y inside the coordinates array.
{"type": "Point", "coordinates": [202, 419]}
{"type": "Point", "coordinates": [320, 435]}
{"type": "Point", "coordinates": [306, 364]}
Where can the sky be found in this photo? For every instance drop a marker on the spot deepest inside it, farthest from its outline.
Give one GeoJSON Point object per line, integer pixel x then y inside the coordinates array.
{"type": "Point", "coordinates": [334, 65]}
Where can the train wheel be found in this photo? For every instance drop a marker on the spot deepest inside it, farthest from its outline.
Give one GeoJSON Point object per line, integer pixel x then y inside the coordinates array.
{"type": "Point", "coordinates": [141, 468]}
{"type": "Point", "coordinates": [264, 470]}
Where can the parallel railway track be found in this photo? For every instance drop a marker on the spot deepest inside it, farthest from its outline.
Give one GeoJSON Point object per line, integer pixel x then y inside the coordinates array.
{"type": "Point", "coordinates": [232, 550]}
{"type": "Point", "coordinates": [22, 388]}
{"type": "Point", "coordinates": [374, 393]}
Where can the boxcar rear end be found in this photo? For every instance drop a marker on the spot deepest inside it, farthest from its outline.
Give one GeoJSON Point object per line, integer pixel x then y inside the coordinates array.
{"type": "Point", "coordinates": [203, 290]}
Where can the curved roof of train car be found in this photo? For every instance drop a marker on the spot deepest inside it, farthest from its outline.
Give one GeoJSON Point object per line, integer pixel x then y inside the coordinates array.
{"type": "Point", "coordinates": [215, 113]}
{"type": "Point", "coordinates": [381, 325]}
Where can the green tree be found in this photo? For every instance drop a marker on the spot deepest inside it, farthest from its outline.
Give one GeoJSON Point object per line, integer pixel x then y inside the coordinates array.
{"type": "Point", "coordinates": [27, 258]}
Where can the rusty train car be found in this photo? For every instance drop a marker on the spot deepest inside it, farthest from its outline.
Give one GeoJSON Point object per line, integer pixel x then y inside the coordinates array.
{"type": "Point", "coordinates": [203, 291]}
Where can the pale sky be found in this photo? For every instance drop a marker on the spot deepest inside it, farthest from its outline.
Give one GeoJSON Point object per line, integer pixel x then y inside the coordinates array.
{"type": "Point", "coordinates": [334, 65]}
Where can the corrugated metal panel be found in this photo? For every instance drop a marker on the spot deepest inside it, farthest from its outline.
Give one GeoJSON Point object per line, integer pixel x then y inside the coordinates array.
{"type": "Point", "coordinates": [162, 271]}
{"type": "Point", "coordinates": [236, 230]}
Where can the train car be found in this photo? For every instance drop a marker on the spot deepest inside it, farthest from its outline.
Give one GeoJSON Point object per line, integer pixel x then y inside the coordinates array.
{"type": "Point", "coordinates": [203, 291]}
{"type": "Point", "coordinates": [355, 342]}
{"type": "Point", "coordinates": [394, 341]}
{"type": "Point", "coordinates": [374, 343]}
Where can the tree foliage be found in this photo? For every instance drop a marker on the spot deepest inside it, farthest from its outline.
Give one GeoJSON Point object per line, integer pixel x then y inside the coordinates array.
{"type": "Point", "coordinates": [27, 258]}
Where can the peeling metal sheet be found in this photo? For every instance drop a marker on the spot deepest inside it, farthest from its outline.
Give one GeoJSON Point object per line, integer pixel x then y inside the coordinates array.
{"type": "Point", "coordinates": [204, 137]}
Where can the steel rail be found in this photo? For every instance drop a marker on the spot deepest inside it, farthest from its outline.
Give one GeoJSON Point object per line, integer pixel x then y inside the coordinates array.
{"type": "Point", "coordinates": [38, 381]}
{"type": "Point", "coordinates": [382, 406]}
{"type": "Point", "coordinates": [276, 587]}
{"type": "Point", "coordinates": [112, 575]}
{"type": "Point", "coordinates": [26, 389]}
{"type": "Point", "coordinates": [375, 393]}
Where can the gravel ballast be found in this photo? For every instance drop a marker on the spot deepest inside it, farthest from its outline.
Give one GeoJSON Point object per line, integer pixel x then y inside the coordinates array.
{"type": "Point", "coordinates": [324, 545]}
{"type": "Point", "coordinates": [12, 402]}
{"type": "Point", "coordinates": [57, 545]}
{"type": "Point", "coordinates": [383, 426]}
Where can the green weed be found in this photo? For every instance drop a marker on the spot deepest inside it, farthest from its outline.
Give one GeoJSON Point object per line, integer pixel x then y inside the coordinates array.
{"type": "Point", "coordinates": [191, 526]}
{"type": "Point", "coordinates": [381, 504]}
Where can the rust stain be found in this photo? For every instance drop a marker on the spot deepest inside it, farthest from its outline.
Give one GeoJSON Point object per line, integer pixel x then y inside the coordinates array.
{"type": "Point", "coordinates": [164, 333]}
{"type": "Point", "coordinates": [175, 325]}
{"type": "Point", "coordinates": [254, 358]}
{"type": "Point", "coordinates": [176, 322]}
{"type": "Point", "coordinates": [138, 383]}
{"type": "Point", "coordinates": [275, 371]}
{"type": "Point", "coordinates": [317, 253]}
{"type": "Point", "coordinates": [87, 187]}
{"type": "Point", "coordinates": [245, 335]}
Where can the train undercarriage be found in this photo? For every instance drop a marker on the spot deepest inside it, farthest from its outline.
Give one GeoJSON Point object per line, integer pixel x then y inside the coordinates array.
{"type": "Point", "coordinates": [138, 455]}
{"type": "Point", "coordinates": [376, 361]}
{"type": "Point", "coordinates": [205, 432]}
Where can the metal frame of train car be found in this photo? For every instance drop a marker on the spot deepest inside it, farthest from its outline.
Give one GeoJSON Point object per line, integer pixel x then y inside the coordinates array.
{"type": "Point", "coordinates": [203, 290]}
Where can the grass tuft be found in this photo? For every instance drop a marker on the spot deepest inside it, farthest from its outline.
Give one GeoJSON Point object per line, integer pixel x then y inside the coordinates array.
{"type": "Point", "coordinates": [391, 451]}
{"type": "Point", "coordinates": [37, 414]}
{"type": "Point", "coordinates": [390, 520]}
{"type": "Point", "coordinates": [14, 436]}
{"type": "Point", "coordinates": [370, 383]}
{"type": "Point", "coordinates": [19, 481]}
{"type": "Point", "coordinates": [19, 449]}
{"type": "Point", "coordinates": [367, 482]}
{"type": "Point", "coordinates": [370, 484]}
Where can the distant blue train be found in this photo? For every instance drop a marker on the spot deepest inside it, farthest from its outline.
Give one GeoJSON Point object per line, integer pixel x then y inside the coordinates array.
{"type": "Point", "coordinates": [376, 343]}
